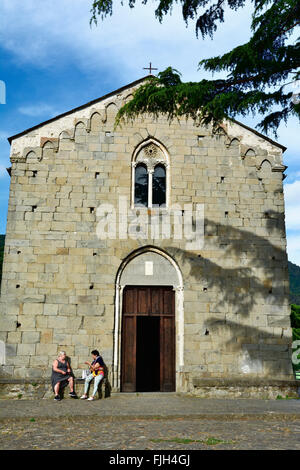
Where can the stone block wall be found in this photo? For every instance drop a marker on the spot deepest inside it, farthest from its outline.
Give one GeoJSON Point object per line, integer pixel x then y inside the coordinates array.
{"type": "Point", "coordinates": [58, 286]}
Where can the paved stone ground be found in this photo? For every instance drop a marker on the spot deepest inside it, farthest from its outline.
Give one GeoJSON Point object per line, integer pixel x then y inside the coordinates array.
{"type": "Point", "coordinates": [150, 421]}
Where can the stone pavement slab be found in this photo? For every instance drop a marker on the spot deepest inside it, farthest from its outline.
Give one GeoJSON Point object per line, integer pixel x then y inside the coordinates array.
{"type": "Point", "coordinates": [151, 405]}
{"type": "Point", "coordinates": [150, 421]}
{"type": "Point", "coordinates": [94, 433]}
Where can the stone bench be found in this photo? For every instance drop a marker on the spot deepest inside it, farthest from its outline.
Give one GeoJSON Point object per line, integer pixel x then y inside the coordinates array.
{"type": "Point", "coordinates": [31, 389]}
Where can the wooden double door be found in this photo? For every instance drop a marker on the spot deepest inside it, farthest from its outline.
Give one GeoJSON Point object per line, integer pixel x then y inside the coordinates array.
{"type": "Point", "coordinates": [148, 339]}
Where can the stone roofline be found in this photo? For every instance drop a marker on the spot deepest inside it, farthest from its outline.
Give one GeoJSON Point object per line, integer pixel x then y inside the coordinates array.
{"type": "Point", "coordinates": [79, 108]}
{"type": "Point", "coordinates": [116, 92]}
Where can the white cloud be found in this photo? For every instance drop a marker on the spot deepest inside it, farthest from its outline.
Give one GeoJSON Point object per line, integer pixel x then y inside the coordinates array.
{"type": "Point", "coordinates": [292, 205]}
{"type": "Point", "coordinates": [41, 109]}
{"type": "Point", "coordinates": [3, 172]}
{"type": "Point", "coordinates": [44, 33]}
{"type": "Point", "coordinates": [292, 194]}
{"type": "Point", "coordinates": [289, 136]}
{"type": "Point", "coordinates": [53, 32]}
{"type": "Point", "coordinates": [3, 135]}
{"type": "Point", "coordinates": [293, 248]}
{"type": "Point", "coordinates": [292, 220]}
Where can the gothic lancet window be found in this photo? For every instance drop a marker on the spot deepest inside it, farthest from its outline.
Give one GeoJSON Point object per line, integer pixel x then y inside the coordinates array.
{"type": "Point", "coordinates": [141, 186]}
{"type": "Point", "coordinates": [159, 186]}
{"type": "Point", "coordinates": [150, 176]}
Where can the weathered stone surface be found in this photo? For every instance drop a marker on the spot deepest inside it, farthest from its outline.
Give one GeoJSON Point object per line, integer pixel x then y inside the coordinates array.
{"type": "Point", "coordinates": [59, 277]}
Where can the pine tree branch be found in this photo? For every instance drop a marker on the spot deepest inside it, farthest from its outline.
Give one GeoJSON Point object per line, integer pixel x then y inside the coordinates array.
{"type": "Point", "coordinates": [265, 62]}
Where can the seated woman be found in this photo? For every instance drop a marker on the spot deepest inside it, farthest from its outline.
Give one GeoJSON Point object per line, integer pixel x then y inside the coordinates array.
{"type": "Point", "coordinates": [61, 376]}
{"type": "Point", "coordinates": [97, 373]}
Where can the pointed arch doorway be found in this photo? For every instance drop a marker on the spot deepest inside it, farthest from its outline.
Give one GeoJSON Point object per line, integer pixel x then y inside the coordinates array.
{"type": "Point", "coordinates": [148, 339]}
{"type": "Point", "coordinates": [148, 335]}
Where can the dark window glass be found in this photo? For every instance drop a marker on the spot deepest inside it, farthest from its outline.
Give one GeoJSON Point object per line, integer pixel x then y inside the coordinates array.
{"type": "Point", "coordinates": [141, 186]}
{"type": "Point", "coordinates": [159, 186]}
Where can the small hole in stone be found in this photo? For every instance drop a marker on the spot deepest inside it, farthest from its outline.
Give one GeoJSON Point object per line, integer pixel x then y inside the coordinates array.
{"type": "Point", "coordinates": [97, 174]}
{"type": "Point", "coordinates": [206, 332]}
{"type": "Point", "coordinates": [33, 208]}
{"type": "Point", "coordinates": [34, 173]}
{"type": "Point", "coordinates": [18, 324]}
{"type": "Point", "coordinates": [92, 210]}
{"type": "Point", "coordinates": [17, 286]}
{"type": "Point", "coordinates": [92, 286]}
{"type": "Point", "coordinates": [222, 179]}
{"type": "Point", "coordinates": [94, 254]}
{"type": "Point", "coordinates": [18, 252]}
{"type": "Point", "coordinates": [205, 289]}
{"type": "Point", "coordinates": [226, 213]}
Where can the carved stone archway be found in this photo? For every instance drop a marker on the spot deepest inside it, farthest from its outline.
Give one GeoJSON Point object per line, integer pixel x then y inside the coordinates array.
{"type": "Point", "coordinates": [129, 273]}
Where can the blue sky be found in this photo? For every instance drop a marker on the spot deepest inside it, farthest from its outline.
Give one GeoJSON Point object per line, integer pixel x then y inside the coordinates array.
{"type": "Point", "coordinates": [51, 60]}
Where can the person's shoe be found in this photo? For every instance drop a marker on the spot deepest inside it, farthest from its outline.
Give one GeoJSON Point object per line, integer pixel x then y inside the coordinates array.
{"type": "Point", "coordinates": [91, 399]}
{"type": "Point", "coordinates": [73, 395]}
{"type": "Point", "coordinates": [84, 397]}
{"type": "Point", "coordinates": [57, 398]}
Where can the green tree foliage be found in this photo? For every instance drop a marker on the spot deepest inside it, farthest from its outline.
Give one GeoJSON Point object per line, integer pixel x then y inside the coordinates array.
{"type": "Point", "coordinates": [257, 71]}
{"type": "Point", "coordinates": [295, 320]}
{"type": "Point", "coordinates": [294, 275]}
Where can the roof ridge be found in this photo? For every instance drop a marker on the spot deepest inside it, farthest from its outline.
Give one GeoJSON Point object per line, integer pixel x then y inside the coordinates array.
{"type": "Point", "coordinates": [119, 90]}
{"type": "Point", "coordinates": [78, 108]}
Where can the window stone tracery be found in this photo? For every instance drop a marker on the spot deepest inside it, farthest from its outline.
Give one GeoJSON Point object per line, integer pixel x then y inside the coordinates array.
{"type": "Point", "coordinates": [151, 156]}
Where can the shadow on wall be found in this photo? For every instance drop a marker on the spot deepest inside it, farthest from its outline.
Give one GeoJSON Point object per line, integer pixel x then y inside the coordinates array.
{"type": "Point", "coordinates": [267, 349]}
{"type": "Point", "coordinates": [240, 287]}
{"type": "Point", "coordinates": [258, 280]}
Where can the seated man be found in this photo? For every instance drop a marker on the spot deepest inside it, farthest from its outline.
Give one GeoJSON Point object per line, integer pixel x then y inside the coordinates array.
{"type": "Point", "coordinates": [97, 373]}
{"type": "Point", "coordinates": [61, 376]}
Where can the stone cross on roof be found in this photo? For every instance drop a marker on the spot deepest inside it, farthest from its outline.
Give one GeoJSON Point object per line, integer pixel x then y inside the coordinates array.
{"type": "Point", "coordinates": [150, 68]}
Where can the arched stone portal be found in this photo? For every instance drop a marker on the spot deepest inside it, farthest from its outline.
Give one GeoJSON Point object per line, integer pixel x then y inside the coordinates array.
{"type": "Point", "coordinates": [151, 283]}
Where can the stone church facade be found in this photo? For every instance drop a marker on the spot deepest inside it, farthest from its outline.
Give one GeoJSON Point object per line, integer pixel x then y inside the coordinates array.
{"type": "Point", "coordinates": [162, 245]}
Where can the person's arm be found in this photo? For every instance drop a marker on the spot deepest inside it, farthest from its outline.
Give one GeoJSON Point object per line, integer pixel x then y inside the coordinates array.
{"type": "Point", "coordinates": [99, 364]}
{"type": "Point", "coordinates": [93, 366]}
{"type": "Point", "coordinates": [89, 364]}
